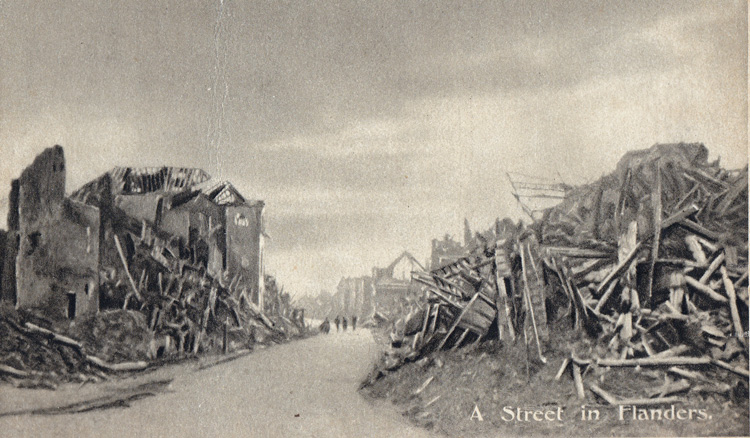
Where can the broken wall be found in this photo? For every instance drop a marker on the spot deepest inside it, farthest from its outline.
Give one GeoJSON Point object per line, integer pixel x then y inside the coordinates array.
{"type": "Point", "coordinates": [244, 242]}
{"type": "Point", "coordinates": [9, 249]}
{"type": "Point", "coordinates": [58, 247]}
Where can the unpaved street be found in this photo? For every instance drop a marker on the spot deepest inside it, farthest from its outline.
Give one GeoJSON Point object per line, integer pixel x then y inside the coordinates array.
{"type": "Point", "coordinates": [304, 388]}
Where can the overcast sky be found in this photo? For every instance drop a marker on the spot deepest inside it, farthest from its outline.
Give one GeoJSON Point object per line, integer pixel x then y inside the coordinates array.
{"type": "Point", "coordinates": [368, 127]}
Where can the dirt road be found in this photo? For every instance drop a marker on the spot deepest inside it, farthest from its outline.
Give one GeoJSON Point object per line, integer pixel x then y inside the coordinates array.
{"type": "Point", "coordinates": [302, 389]}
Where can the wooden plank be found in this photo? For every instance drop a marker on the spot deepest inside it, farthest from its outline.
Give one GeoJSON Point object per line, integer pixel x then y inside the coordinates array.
{"type": "Point", "coordinates": [457, 321]}
{"type": "Point", "coordinates": [578, 381]}
{"type": "Point", "coordinates": [504, 315]}
{"type": "Point", "coordinates": [657, 213]}
{"type": "Point", "coordinates": [123, 366]}
{"type": "Point", "coordinates": [562, 369]}
{"type": "Point", "coordinates": [460, 339]}
{"type": "Point", "coordinates": [740, 371]}
{"type": "Point", "coordinates": [54, 336]}
{"type": "Point", "coordinates": [654, 361]}
{"type": "Point", "coordinates": [125, 266]}
{"type": "Point", "coordinates": [605, 297]}
{"type": "Point", "coordinates": [679, 216]}
{"type": "Point", "coordinates": [700, 229]}
{"type": "Point", "coordinates": [729, 287]}
{"type": "Point", "coordinates": [530, 307]}
{"type": "Point", "coordinates": [704, 289]}
{"type": "Point", "coordinates": [712, 268]}
{"type": "Point", "coordinates": [423, 386]}
{"type": "Point", "coordinates": [609, 398]}
{"type": "Point", "coordinates": [619, 269]}
{"type": "Point", "coordinates": [534, 295]}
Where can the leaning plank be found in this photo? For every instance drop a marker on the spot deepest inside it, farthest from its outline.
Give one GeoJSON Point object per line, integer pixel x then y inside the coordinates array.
{"type": "Point", "coordinates": [700, 229]}
{"type": "Point", "coordinates": [427, 312]}
{"type": "Point", "coordinates": [680, 215]}
{"type": "Point", "coordinates": [5, 369]}
{"type": "Point", "coordinates": [563, 367]}
{"type": "Point", "coordinates": [657, 213]}
{"type": "Point", "coordinates": [530, 307]}
{"type": "Point", "coordinates": [670, 388]}
{"type": "Point", "coordinates": [704, 289]}
{"type": "Point", "coordinates": [729, 287]}
{"type": "Point", "coordinates": [605, 297]}
{"type": "Point", "coordinates": [671, 352]}
{"type": "Point", "coordinates": [741, 371]}
{"type": "Point", "coordinates": [685, 373]}
{"type": "Point", "coordinates": [619, 269]}
{"type": "Point", "coordinates": [125, 266]}
{"type": "Point", "coordinates": [712, 268]}
{"type": "Point", "coordinates": [654, 361]}
{"type": "Point", "coordinates": [460, 340]}
{"type": "Point", "coordinates": [123, 366]}
{"type": "Point", "coordinates": [740, 280]}
{"type": "Point", "coordinates": [609, 398]}
{"type": "Point", "coordinates": [423, 386]}
{"type": "Point", "coordinates": [54, 336]}
{"type": "Point", "coordinates": [504, 316]}
{"type": "Point", "coordinates": [458, 320]}
{"type": "Point", "coordinates": [578, 382]}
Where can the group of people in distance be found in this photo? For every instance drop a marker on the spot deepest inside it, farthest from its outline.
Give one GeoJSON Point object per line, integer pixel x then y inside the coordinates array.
{"type": "Point", "coordinates": [341, 323]}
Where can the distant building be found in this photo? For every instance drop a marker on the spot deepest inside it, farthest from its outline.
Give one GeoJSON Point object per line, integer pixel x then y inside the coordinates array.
{"type": "Point", "coordinates": [393, 285]}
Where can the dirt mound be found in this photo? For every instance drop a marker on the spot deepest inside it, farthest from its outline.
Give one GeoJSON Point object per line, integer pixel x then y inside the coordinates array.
{"type": "Point", "coordinates": [116, 335]}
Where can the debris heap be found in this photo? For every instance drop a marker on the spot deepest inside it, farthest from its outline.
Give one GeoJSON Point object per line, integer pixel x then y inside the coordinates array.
{"type": "Point", "coordinates": [646, 266]}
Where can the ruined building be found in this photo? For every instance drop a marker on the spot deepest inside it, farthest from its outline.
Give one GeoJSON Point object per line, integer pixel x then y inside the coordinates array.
{"type": "Point", "coordinates": [386, 292]}
{"type": "Point", "coordinates": [60, 251]}
{"type": "Point", "coordinates": [52, 252]}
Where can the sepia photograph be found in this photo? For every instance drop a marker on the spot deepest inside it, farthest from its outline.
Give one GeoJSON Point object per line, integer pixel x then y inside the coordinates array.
{"type": "Point", "coordinates": [366, 218]}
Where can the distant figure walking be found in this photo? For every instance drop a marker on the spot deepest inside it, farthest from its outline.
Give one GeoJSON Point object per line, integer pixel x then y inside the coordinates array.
{"type": "Point", "coordinates": [325, 327]}
{"type": "Point", "coordinates": [344, 322]}
{"type": "Point", "coordinates": [354, 322]}
{"type": "Point", "coordinates": [338, 322]}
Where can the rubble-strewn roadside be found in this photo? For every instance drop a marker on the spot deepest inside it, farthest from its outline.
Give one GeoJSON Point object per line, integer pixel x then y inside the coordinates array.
{"type": "Point", "coordinates": [632, 291]}
{"type": "Point", "coordinates": [138, 267]}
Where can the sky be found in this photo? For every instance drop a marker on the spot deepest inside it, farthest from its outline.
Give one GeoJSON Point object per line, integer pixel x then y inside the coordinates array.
{"type": "Point", "coordinates": [368, 128]}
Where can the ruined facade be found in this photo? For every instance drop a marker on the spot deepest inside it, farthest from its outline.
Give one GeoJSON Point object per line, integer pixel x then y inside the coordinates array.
{"type": "Point", "coordinates": [208, 224]}
{"type": "Point", "coordinates": [56, 260]}
{"type": "Point", "coordinates": [59, 250]}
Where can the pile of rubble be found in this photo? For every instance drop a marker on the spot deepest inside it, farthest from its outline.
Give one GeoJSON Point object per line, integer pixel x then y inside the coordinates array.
{"type": "Point", "coordinates": [137, 265]}
{"type": "Point", "coordinates": [34, 356]}
{"type": "Point", "coordinates": [648, 264]}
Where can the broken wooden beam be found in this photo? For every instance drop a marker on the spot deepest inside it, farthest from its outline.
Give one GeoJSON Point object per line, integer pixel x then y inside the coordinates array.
{"type": "Point", "coordinates": [9, 370]}
{"type": "Point", "coordinates": [458, 320]}
{"type": "Point", "coordinates": [700, 229]}
{"type": "Point", "coordinates": [740, 371]}
{"type": "Point", "coordinates": [705, 290]}
{"type": "Point", "coordinates": [123, 366]}
{"type": "Point", "coordinates": [578, 381]}
{"type": "Point", "coordinates": [729, 288]}
{"type": "Point", "coordinates": [679, 216]}
{"type": "Point", "coordinates": [619, 269]}
{"type": "Point", "coordinates": [712, 268]}
{"type": "Point", "coordinates": [609, 398]}
{"type": "Point", "coordinates": [657, 216]}
{"type": "Point", "coordinates": [562, 369]}
{"type": "Point", "coordinates": [125, 266]}
{"type": "Point", "coordinates": [654, 361]}
{"type": "Point", "coordinates": [423, 386]}
{"type": "Point", "coordinates": [54, 336]}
